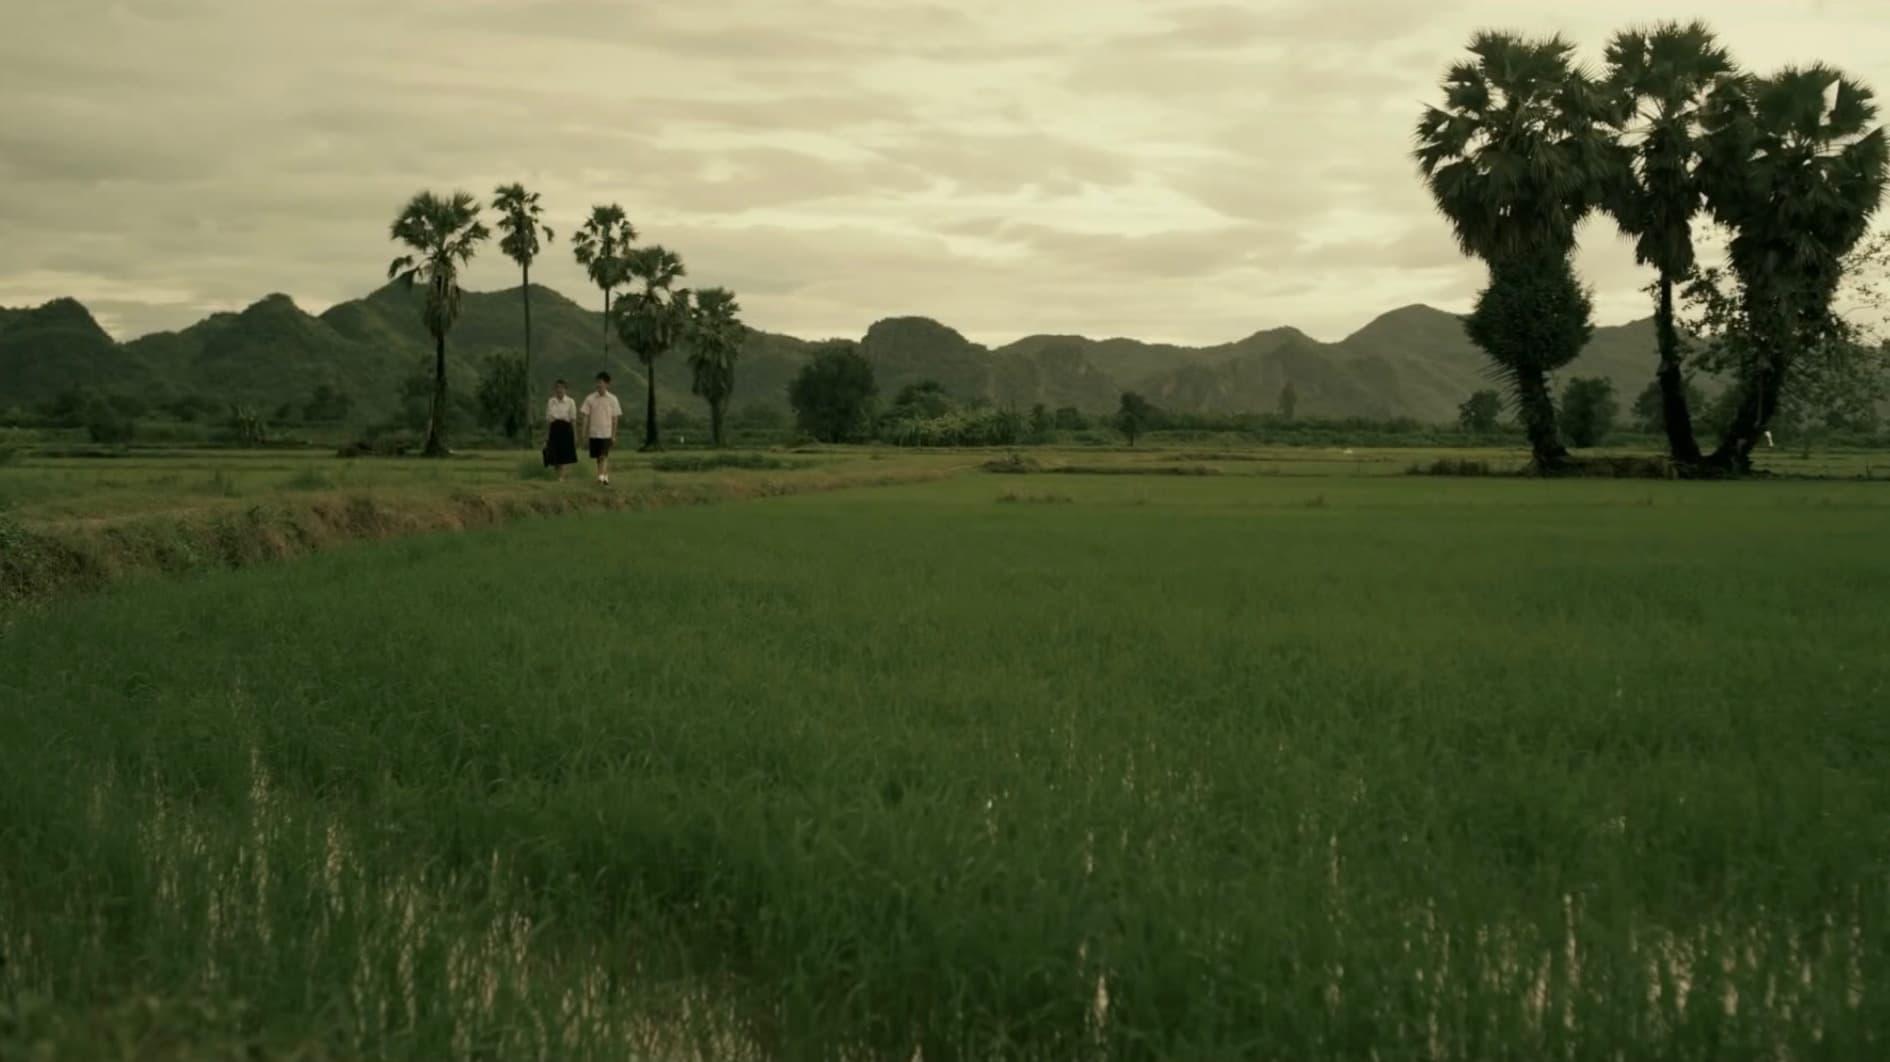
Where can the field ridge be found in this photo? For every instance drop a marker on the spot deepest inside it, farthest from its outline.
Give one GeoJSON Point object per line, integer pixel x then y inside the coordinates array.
{"type": "Point", "coordinates": [49, 560]}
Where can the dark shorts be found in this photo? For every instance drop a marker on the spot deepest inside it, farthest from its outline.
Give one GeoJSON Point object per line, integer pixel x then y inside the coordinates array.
{"type": "Point", "coordinates": [600, 448]}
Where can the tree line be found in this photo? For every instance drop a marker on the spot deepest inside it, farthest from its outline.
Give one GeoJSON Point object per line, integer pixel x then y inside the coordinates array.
{"type": "Point", "coordinates": [443, 233]}
{"type": "Point", "coordinates": [1526, 145]}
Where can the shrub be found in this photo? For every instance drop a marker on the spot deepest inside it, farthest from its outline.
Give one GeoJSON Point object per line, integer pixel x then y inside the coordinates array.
{"type": "Point", "coordinates": [1453, 466]}
{"type": "Point", "coordinates": [1012, 464]}
{"type": "Point", "coordinates": [105, 424]}
{"type": "Point", "coordinates": [708, 462]}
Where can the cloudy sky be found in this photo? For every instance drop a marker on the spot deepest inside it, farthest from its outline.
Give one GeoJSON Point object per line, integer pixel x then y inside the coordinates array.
{"type": "Point", "coordinates": [1165, 169]}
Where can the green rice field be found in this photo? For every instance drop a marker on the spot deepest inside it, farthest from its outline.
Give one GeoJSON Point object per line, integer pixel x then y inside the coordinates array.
{"type": "Point", "coordinates": [1297, 763]}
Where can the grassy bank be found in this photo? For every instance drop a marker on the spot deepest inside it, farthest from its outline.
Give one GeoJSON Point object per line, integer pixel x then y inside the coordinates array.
{"type": "Point", "coordinates": [1179, 767]}
{"type": "Point", "coordinates": [74, 525]}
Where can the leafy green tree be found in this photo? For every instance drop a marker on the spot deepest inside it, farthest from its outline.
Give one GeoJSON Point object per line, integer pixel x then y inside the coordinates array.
{"type": "Point", "coordinates": [1039, 422]}
{"type": "Point", "coordinates": [602, 247]}
{"type": "Point", "coordinates": [1795, 166]}
{"type": "Point", "coordinates": [760, 415]}
{"type": "Point", "coordinates": [499, 381]}
{"type": "Point", "coordinates": [921, 400]}
{"type": "Point", "coordinates": [1477, 415]}
{"type": "Point", "coordinates": [326, 405]}
{"type": "Point", "coordinates": [1070, 418]}
{"type": "Point", "coordinates": [109, 425]}
{"type": "Point", "coordinates": [652, 321]}
{"type": "Point", "coordinates": [1289, 401]}
{"type": "Point", "coordinates": [521, 232]}
{"type": "Point", "coordinates": [1134, 415]}
{"type": "Point", "coordinates": [833, 394]}
{"type": "Point", "coordinates": [1589, 410]}
{"type": "Point", "coordinates": [1658, 85]}
{"type": "Point", "coordinates": [715, 343]}
{"type": "Point", "coordinates": [1515, 159]}
{"type": "Point", "coordinates": [443, 233]}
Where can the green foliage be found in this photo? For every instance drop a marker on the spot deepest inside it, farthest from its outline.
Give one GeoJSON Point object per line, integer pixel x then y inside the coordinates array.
{"type": "Point", "coordinates": [833, 394]}
{"type": "Point", "coordinates": [759, 415]}
{"type": "Point", "coordinates": [190, 408]}
{"type": "Point", "coordinates": [501, 379]}
{"type": "Point", "coordinates": [1070, 418]}
{"type": "Point", "coordinates": [1478, 413]}
{"type": "Point", "coordinates": [327, 406]}
{"type": "Point", "coordinates": [107, 424]}
{"type": "Point", "coordinates": [1039, 424]}
{"type": "Point", "coordinates": [1134, 415]}
{"type": "Point", "coordinates": [1588, 410]}
{"type": "Point", "coordinates": [924, 400]}
{"type": "Point", "coordinates": [715, 333]}
{"type": "Point", "coordinates": [711, 462]}
{"type": "Point", "coordinates": [246, 426]}
{"type": "Point", "coordinates": [975, 427]}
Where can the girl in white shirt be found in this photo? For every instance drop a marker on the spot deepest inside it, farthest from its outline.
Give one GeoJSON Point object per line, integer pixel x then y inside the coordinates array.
{"type": "Point", "coordinates": [561, 430]}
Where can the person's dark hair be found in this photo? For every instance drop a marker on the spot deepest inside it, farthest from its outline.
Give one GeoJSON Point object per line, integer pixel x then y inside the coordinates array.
{"type": "Point", "coordinates": [604, 376]}
{"type": "Point", "coordinates": [560, 383]}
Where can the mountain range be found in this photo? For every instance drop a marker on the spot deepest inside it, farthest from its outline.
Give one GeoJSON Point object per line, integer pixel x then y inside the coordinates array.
{"type": "Point", "coordinates": [1412, 362]}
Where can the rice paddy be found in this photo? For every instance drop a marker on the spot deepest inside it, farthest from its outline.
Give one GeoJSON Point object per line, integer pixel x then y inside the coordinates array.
{"type": "Point", "coordinates": [1268, 763]}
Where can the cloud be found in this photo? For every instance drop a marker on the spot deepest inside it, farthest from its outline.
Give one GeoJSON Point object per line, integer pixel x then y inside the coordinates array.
{"type": "Point", "coordinates": [1179, 169]}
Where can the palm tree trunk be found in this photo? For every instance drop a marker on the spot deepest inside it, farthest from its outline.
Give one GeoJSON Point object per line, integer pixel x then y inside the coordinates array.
{"type": "Point", "coordinates": [715, 421]}
{"type": "Point", "coordinates": [527, 289]}
{"type": "Point", "coordinates": [606, 325]}
{"type": "Point", "coordinates": [1537, 407]}
{"type": "Point", "coordinates": [1681, 443]}
{"type": "Point", "coordinates": [1759, 402]}
{"type": "Point", "coordinates": [651, 441]}
{"type": "Point", "coordinates": [436, 434]}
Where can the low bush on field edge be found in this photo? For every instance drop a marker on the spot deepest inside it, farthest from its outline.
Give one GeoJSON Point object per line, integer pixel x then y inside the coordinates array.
{"type": "Point", "coordinates": [710, 462]}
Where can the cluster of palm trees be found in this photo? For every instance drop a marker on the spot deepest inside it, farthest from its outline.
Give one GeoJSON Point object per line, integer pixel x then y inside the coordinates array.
{"type": "Point", "coordinates": [443, 233]}
{"type": "Point", "coordinates": [1526, 145]}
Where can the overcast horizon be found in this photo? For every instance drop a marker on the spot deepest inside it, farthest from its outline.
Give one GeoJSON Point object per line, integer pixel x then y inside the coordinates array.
{"type": "Point", "coordinates": [1166, 171]}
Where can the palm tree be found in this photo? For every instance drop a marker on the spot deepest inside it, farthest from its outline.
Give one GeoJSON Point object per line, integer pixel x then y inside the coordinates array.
{"type": "Point", "coordinates": [1658, 85]}
{"type": "Point", "coordinates": [715, 341]}
{"type": "Point", "coordinates": [443, 233]}
{"type": "Point", "coordinates": [654, 321]}
{"type": "Point", "coordinates": [1795, 166]}
{"type": "Point", "coordinates": [1514, 160]}
{"type": "Point", "coordinates": [600, 247]}
{"type": "Point", "coordinates": [519, 221]}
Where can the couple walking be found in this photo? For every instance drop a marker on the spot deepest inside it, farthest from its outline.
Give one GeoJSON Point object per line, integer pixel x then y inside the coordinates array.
{"type": "Point", "coordinates": [598, 416]}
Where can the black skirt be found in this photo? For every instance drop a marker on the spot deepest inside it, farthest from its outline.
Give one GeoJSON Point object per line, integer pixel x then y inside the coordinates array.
{"type": "Point", "coordinates": [561, 445]}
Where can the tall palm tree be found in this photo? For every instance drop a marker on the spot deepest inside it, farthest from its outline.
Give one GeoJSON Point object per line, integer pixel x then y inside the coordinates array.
{"type": "Point", "coordinates": [1515, 160]}
{"type": "Point", "coordinates": [1659, 82]}
{"type": "Point", "coordinates": [519, 221]}
{"type": "Point", "coordinates": [654, 320]}
{"type": "Point", "coordinates": [715, 342]}
{"type": "Point", "coordinates": [1795, 167]}
{"type": "Point", "coordinates": [443, 233]}
{"type": "Point", "coordinates": [600, 247]}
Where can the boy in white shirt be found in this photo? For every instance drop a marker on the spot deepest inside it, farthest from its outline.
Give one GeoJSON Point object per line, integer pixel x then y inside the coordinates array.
{"type": "Point", "coordinates": [601, 414]}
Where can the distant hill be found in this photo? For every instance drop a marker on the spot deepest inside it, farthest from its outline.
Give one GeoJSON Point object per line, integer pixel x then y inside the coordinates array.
{"type": "Point", "coordinates": [1412, 362]}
